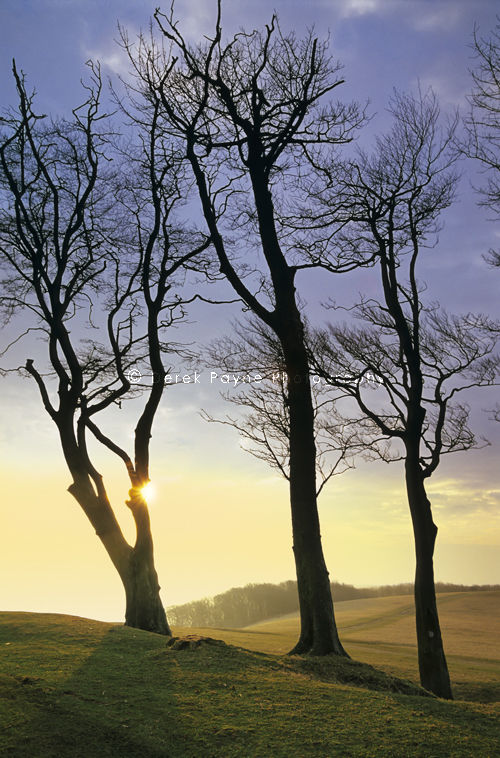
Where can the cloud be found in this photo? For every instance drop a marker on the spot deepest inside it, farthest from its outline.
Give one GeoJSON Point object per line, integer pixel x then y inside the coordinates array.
{"type": "Point", "coordinates": [466, 505]}
{"type": "Point", "coordinates": [430, 17]}
{"type": "Point", "coordinates": [450, 88]}
{"type": "Point", "coordinates": [350, 8]}
{"type": "Point", "coordinates": [197, 18]}
{"type": "Point", "coordinates": [422, 15]}
{"type": "Point", "coordinates": [110, 55]}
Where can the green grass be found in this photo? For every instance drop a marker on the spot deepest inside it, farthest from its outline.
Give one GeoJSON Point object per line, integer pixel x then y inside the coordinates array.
{"type": "Point", "coordinates": [75, 687]}
{"type": "Point", "coordinates": [381, 631]}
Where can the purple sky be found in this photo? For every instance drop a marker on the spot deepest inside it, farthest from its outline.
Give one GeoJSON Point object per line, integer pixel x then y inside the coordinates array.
{"type": "Point", "coordinates": [383, 44]}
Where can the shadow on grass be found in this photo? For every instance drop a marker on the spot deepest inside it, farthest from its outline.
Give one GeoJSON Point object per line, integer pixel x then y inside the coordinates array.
{"type": "Point", "coordinates": [111, 691]}
{"type": "Point", "coordinates": [119, 702]}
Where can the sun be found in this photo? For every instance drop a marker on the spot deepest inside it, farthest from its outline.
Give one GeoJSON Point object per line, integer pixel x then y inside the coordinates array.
{"type": "Point", "coordinates": [148, 492]}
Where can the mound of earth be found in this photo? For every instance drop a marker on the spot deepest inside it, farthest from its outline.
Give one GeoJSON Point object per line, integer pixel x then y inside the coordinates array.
{"type": "Point", "coordinates": [328, 668]}
{"type": "Point", "coordinates": [338, 670]}
{"type": "Point", "coordinates": [192, 641]}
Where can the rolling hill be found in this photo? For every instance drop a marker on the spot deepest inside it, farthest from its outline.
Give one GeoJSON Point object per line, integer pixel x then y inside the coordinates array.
{"type": "Point", "coordinates": [72, 686]}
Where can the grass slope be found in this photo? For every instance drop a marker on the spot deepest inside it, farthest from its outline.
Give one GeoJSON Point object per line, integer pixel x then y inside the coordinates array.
{"type": "Point", "coordinates": [75, 687]}
{"type": "Point", "coordinates": [381, 631]}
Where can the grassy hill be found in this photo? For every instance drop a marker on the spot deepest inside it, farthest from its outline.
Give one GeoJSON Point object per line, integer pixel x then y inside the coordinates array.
{"type": "Point", "coordinates": [381, 631]}
{"type": "Point", "coordinates": [75, 687]}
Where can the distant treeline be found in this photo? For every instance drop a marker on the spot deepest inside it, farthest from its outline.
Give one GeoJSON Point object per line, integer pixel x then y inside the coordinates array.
{"type": "Point", "coordinates": [242, 606]}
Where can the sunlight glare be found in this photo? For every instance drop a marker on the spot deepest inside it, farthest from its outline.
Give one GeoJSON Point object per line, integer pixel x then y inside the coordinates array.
{"type": "Point", "coordinates": [148, 492]}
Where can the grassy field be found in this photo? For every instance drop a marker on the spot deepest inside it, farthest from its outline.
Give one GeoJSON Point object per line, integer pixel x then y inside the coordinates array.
{"type": "Point", "coordinates": [381, 631]}
{"type": "Point", "coordinates": [75, 687]}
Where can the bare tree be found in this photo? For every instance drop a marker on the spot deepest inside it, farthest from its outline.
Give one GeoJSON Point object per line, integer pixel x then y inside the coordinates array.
{"type": "Point", "coordinates": [253, 359]}
{"type": "Point", "coordinates": [421, 357]}
{"type": "Point", "coordinates": [82, 247]}
{"type": "Point", "coordinates": [482, 123]}
{"type": "Point", "coordinates": [252, 115]}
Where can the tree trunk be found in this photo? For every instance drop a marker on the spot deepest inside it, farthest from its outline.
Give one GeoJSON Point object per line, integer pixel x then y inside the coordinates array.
{"type": "Point", "coordinates": [144, 607]}
{"type": "Point", "coordinates": [318, 633]}
{"type": "Point", "coordinates": [318, 628]}
{"type": "Point", "coordinates": [135, 566]}
{"type": "Point", "coordinates": [434, 675]}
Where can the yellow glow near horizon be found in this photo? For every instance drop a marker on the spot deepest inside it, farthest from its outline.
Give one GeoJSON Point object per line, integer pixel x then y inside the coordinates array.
{"type": "Point", "coordinates": [210, 535]}
{"type": "Point", "coordinates": [148, 492]}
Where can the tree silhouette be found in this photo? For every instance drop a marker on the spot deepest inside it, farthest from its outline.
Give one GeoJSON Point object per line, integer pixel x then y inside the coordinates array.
{"type": "Point", "coordinates": [482, 123]}
{"type": "Point", "coordinates": [421, 357]}
{"type": "Point", "coordinates": [252, 115]}
{"type": "Point", "coordinates": [85, 248]}
{"type": "Point", "coordinates": [253, 352]}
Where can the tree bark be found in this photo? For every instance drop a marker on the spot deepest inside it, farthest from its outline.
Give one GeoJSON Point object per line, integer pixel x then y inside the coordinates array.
{"type": "Point", "coordinates": [135, 566]}
{"type": "Point", "coordinates": [318, 634]}
{"type": "Point", "coordinates": [434, 675]}
{"type": "Point", "coordinates": [144, 608]}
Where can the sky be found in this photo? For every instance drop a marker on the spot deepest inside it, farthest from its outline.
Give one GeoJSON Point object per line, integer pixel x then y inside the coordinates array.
{"type": "Point", "coordinates": [220, 517]}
